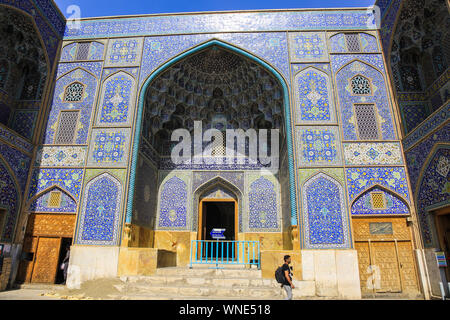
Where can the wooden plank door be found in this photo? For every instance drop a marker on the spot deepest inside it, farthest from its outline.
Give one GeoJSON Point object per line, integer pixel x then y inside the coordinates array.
{"type": "Point", "coordinates": [26, 266]}
{"type": "Point", "coordinates": [384, 257]}
{"type": "Point", "coordinates": [364, 262]}
{"type": "Point", "coordinates": [407, 267]}
{"type": "Point", "coordinates": [46, 262]}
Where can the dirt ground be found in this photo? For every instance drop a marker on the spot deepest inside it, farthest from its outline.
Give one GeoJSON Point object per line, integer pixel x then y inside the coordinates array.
{"type": "Point", "coordinates": [90, 290]}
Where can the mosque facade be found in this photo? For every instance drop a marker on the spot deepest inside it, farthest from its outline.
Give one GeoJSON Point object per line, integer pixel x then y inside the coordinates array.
{"type": "Point", "coordinates": [358, 98]}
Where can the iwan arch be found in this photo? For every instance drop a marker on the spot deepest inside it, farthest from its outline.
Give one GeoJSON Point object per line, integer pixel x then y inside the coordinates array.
{"type": "Point", "coordinates": [96, 171]}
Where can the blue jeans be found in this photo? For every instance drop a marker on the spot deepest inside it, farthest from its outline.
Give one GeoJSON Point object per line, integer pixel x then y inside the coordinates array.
{"type": "Point", "coordinates": [288, 291]}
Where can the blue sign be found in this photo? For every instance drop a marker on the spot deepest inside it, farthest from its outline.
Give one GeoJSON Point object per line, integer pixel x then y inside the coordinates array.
{"type": "Point", "coordinates": [217, 234]}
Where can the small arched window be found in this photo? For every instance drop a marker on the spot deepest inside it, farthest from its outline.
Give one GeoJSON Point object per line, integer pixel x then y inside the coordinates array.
{"type": "Point", "coordinates": [74, 92]}
{"type": "Point", "coordinates": [361, 85]}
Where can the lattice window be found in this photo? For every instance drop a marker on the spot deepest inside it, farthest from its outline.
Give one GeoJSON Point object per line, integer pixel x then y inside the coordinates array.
{"type": "Point", "coordinates": [74, 92]}
{"type": "Point", "coordinates": [219, 149]}
{"type": "Point", "coordinates": [377, 199]}
{"type": "Point", "coordinates": [367, 122]}
{"type": "Point", "coordinates": [352, 40]}
{"type": "Point", "coordinates": [361, 85]}
{"type": "Point", "coordinates": [83, 50]}
{"type": "Point", "coordinates": [54, 200]}
{"type": "Point", "coordinates": [66, 127]}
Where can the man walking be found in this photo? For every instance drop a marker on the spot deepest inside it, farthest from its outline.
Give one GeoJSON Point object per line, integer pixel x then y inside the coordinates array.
{"type": "Point", "coordinates": [287, 284]}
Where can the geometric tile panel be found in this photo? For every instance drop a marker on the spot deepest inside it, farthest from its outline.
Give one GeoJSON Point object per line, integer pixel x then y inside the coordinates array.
{"type": "Point", "coordinates": [117, 100]}
{"type": "Point", "coordinates": [70, 51]}
{"type": "Point", "coordinates": [433, 122]}
{"type": "Point", "coordinates": [24, 122]}
{"type": "Point", "coordinates": [223, 22]}
{"type": "Point", "coordinates": [413, 113]}
{"type": "Point", "coordinates": [392, 204]}
{"type": "Point", "coordinates": [96, 51]}
{"type": "Point", "coordinates": [318, 146]}
{"type": "Point", "coordinates": [378, 97]}
{"type": "Point", "coordinates": [15, 140]}
{"type": "Point", "coordinates": [270, 46]}
{"type": "Point", "coordinates": [107, 72]}
{"type": "Point", "coordinates": [173, 204]}
{"type": "Point", "coordinates": [41, 204]}
{"type": "Point", "coordinates": [337, 43]}
{"type": "Point", "coordinates": [434, 189]}
{"type": "Point", "coordinates": [325, 215]}
{"type": "Point", "coordinates": [262, 197]}
{"type": "Point", "coordinates": [124, 52]}
{"type": "Point", "coordinates": [67, 179]}
{"type": "Point", "coordinates": [84, 105]}
{"type": "Point", "coordinates": [100, 216]}
{"type": "Point", "coordinates": [146, 192]}
{"type": "Point", "coordinates": [9, 198]}
{"type": "Point", "coordinates": [308, 47]}
{"type": "Point", "coordinates": [383, 153]}
{"type": "Point", "coordinates": [314, 97]}
{"type": "Point", "coordinates": [109, 147]}
{"type": "Point", "coordinates": [368, 43]}
{"type": "Point", "coordinates": [93, 67]}
{"type": "Point", "coordinates": [392, 178]}
{"type": "Point", "coordinates": [48, 156]}
{"type": "Point", "coordinates": [416, 156]}
{"type": "Point", "coordinates": [18, 162]}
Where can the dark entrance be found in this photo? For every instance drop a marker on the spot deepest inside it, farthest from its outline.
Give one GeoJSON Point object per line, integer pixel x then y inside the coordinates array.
{"type": "Point", "coordinates": [218, 215]}
{"type": "Point", "coordinates": [221, 215]}
{"type": "Point", "coordinates": [65, 244]}
{"type": "Point", "coordinates": [443, 230]}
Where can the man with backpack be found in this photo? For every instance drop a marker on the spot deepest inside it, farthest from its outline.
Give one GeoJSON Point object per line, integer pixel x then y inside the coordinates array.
{"type": "Point", "coordinates": [284, 277]}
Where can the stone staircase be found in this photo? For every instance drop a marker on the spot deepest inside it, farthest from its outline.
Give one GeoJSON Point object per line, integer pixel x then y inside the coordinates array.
{"type": "Point", "coordinates": [203, 283]}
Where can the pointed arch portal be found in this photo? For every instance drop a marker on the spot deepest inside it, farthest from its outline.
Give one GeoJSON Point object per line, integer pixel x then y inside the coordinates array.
{"type": "Point", "coordinates": [261, 121]}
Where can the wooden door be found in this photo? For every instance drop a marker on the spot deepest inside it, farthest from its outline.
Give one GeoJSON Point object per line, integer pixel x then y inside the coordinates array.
{"type": "Point", "coordinates": [407, 266]}
{"type": "Point", "coordinates": [46, 262]}
{"type": "Point", "coordinates": [364, 267]}
{"type": "Point", "coordinates": [26, 266]}
{"type": "Point", "coordinates": [387, 251]}
{"type": "Point", "coordinates": [384, 257]}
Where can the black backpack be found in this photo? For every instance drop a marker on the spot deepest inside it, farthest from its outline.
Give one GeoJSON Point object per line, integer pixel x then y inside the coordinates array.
{"type": "Point", "coordinates": [279, 275]}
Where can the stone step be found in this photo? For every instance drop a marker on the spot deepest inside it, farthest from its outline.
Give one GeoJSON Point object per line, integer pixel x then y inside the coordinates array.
{"type": "Point", "coordinates": [205, 291]}
{"type": "Point", "coordinates": [196, 280]}
{"type": "Point", "coordinates": [159, 285]}
{"type": "Point", "coordinates": [208, 272]}
{"type": "Point", "coordinates": [144, 296]}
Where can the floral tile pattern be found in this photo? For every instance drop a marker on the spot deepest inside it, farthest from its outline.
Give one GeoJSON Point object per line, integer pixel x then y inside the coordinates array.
{"type": "Point", "coordinates": [48, 156]}
{"type": "Point", "coordinates": [387, 153]}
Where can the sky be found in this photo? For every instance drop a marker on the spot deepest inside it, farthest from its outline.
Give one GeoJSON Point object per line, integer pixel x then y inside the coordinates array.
{"type": "Point", "coordinates": [99, 8]}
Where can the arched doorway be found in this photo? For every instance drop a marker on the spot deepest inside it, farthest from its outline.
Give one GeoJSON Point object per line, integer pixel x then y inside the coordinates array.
{"type": "Point", "coordinates": [222, 88]}
{"type": "Point", "coordinates": [218, 209]}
